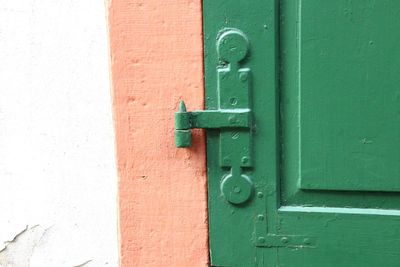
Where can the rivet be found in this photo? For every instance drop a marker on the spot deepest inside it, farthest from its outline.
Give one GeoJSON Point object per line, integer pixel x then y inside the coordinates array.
{"type": "Point", "coordinates": [245, 160]}
{"type": "Point", "coordinates": [261, 239]}
{"type": "Point", "coordinates": [232, 46]}
{"type": "Point", "coordinates": [284, 240]}
{"type": "Point", "coordinates": [307, 241]}
{"type": "Point", "coordinates": [236, 190]}
{"type": "Point", "coordinates": [260, 217]}
{"type": "Point", "coordinates": [260, 194]}
{"type": "Point", "coordinates": [243, 76]}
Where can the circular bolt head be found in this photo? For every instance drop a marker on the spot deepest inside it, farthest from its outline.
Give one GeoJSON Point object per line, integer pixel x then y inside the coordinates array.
{"type": "Point", "coordinates": [284, 240]}
{"type": "Point", "coordinates": [232, 46]}
{"type": "Point", "coordinates": [237, 189]}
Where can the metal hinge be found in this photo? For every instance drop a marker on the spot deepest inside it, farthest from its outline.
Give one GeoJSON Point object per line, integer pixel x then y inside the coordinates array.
{"type": "Point", "coordinates": [233, 117]}
{"type": "Point", "coordinates": [207, 119]}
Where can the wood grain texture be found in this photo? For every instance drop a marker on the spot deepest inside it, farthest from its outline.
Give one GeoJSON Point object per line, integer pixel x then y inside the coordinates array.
{"type": "Point", "coordinates": [156, 60]}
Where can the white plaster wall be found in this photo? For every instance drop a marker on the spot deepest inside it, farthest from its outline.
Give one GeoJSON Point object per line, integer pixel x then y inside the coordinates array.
{"type": "Point", "coordinates": [57, 167]}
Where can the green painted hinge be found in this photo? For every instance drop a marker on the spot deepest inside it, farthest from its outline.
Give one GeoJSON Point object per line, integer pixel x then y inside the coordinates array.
{"type": "Point", "coordinates": [207, 119]}
{"type": "Point", "coordinates": [233, 116]}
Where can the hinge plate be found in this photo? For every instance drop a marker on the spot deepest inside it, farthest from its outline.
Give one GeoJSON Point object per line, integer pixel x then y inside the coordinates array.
{"type": "Point", "coordinates": [233, 117]}
{"type": "Point", "coordinates": [294, 241]}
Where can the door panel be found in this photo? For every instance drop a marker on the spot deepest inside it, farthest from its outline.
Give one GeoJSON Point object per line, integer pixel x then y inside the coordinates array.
{"type": "Point", "coordinates": [340, 135]}
{"type": "Point", "coordinates": [345, 238]}
{"type": "Point", "coordinates": [321, 113]}
{"type": "Point", "coordinates": [326, 134]}
{"type": "Point", "coordinates": [349, 95]}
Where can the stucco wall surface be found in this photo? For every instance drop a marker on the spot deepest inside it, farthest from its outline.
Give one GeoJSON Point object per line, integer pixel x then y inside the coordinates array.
{"type": "Point", "coordinates": [156, 60]}
{"type": "Point", "coordinates": [57, 166]}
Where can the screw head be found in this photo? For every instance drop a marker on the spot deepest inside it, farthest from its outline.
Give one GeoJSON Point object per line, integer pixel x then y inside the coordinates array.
{"type": "Point", "coordinates": [233, 101]}
{"type": "Point", "coordinates": [235, 135]}
{"type": "Point", "coordinates": [284, 240]}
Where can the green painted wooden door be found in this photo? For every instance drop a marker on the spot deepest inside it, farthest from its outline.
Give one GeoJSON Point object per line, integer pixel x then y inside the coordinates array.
{"type": "Point", "coordinates": [325, 136]}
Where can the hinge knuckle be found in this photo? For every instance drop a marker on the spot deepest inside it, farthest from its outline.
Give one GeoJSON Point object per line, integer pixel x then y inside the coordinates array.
{"type": "Point", "coordinates": [183, 138]}
{"type": "Point", "coordinates": [182, 121]}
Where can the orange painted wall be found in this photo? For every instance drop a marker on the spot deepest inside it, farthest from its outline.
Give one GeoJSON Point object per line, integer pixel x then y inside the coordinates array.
{"type": "Point", "coordinates": [156, 60]}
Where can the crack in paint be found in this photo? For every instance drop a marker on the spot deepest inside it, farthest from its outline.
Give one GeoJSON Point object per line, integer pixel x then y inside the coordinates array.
{"type": "Point", "coordinates": [82, 264]}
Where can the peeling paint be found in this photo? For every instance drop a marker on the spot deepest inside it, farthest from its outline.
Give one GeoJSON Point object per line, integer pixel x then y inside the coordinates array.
{"type": "Point", "coordinates": [18, 251]}
{"type": "Point", "coordinates": [15, 237]}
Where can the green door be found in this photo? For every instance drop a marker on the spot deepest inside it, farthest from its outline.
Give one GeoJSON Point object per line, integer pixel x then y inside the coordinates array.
{"type": "Point", "coordinates": [314, 180]}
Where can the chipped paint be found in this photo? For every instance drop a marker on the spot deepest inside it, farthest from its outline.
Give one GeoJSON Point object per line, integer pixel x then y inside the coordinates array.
{"type": "Point", "coordinates": [18, 251]}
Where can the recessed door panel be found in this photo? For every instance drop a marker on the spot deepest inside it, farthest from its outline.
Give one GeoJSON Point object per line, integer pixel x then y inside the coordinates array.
{"type": "Point", "coordinates": [349, 95]}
